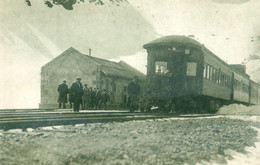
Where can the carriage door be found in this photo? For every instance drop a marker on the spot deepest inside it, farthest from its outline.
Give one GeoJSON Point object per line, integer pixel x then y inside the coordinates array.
{"type": "Point", "coordinates": [194, 72]}
{"type": "Point", "coordinates": [178, 68]}
{"type": "Point", "coordinates": [191, 77]}
{"type": "Point", "coordinates": [160, 83]}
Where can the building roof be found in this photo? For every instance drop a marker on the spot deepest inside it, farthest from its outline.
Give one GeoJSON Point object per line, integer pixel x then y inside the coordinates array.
{"type": "Point", "coordinates": [169, 40]}
{"type": "Point", "coordinates": [110, 68]}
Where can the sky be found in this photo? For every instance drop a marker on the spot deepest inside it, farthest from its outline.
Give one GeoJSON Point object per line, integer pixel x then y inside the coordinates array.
{"type": "Point", "coordinates": [31, 36]}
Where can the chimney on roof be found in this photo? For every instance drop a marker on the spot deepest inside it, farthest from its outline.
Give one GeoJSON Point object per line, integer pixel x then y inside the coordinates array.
{"type": "Point", "coordinates": [89, 52]}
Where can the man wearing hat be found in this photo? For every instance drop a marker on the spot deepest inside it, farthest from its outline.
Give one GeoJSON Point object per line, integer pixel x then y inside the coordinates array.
{"type": "Point", "coordinates": [77, 93]}
{"type": "Point", "coordinates": [85, 97]}
{"type": "Point", "coordinates": [133, 94]}
{"type": "Point", "coordinates": [63, 91]}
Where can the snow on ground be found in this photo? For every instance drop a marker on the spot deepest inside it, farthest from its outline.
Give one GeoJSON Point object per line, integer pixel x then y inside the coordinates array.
{"type": "Point", "coordinates": [250, 114]}
{"type": "Point", "coordinates": [239, 109]}
{"type": "Point", "coordinates": [251, 158]}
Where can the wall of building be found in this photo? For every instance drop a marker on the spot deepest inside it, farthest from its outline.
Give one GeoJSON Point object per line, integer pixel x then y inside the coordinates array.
{"type": "Point", "coordinates": [117, 88]}
{"type": "Point", "coordinates": [68, 68]}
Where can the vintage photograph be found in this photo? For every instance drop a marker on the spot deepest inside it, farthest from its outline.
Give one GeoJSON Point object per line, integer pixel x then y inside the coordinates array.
{"type": "Point", "coordinates": [130, 82]}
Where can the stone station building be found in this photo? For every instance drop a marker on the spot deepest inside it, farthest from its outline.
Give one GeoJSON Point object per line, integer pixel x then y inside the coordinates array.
{"type": "Point", "coordinates": [96, 72]}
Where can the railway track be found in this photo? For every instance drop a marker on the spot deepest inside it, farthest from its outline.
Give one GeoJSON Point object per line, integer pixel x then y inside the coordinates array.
{"type": "Point", "coordinates": [33, 118]}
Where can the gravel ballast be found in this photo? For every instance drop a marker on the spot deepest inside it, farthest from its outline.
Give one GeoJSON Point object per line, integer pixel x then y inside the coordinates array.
{"type": "Point", "coordinates": [164, 141]}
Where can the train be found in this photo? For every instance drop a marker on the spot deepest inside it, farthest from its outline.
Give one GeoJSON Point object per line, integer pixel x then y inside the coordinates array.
{"type": "Point", "coordinates": [183, 76]}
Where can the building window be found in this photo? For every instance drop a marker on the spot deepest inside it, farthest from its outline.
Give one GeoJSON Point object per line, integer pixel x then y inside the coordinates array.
{"type": "Point", "coordinates": [114, 87]}
{"type": "Point", "coordinates": [107, 84]}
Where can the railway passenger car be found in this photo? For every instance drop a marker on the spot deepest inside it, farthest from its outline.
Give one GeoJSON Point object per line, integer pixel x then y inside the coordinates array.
{"type": "Point", "coordinates": [183, 75]}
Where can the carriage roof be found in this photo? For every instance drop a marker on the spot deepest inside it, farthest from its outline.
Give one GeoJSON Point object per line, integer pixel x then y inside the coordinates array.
{"type": "Point", "coordinates": [173, 39]}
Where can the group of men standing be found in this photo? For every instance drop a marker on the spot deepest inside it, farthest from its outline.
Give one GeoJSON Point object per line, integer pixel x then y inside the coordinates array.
{"type": "Point", "coordinates": [79, 95]}
{"type": "Point", "coordinates": [93, 98]}
{"type": "Point", "coordinates": [90, 98]}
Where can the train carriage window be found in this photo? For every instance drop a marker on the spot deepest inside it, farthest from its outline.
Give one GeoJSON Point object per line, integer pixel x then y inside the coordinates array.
{"type": "Point", "coordinates": [223, 79]}
{"type": "Point", "coordinates": [228, 81]}
{"type": "Point", "coordinates": [213, 74]}
{"type": "Point", "coordinates": [209, 72]}
{"type": "Point", "coordinates": [160, 67]}
{"type": "Point", "coordinates": [191, 69]}
{"type": "Point", "coordinates": [205, 71]}
{"type": "Point", "coordinates": [218, 76]}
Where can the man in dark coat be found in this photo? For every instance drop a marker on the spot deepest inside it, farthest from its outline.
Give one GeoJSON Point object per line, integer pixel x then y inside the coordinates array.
{"type": "Point", "coordinates": [133, 94]}
{"type": "Point", "coordinates": [92, 98]}
{"type": "Point", "coordinates": [85, 97]}
{"type": "Point", "coordinates": [88, 98]}
{"type": "Point", "coordinates": [104, 99]}
{"type": "Point", "coordinates": [98, 98]}
{"type": "Point", "coordinates": [77, 92]}
{"type": "Point", "coordinates": [63, 92]}
{"type": "Point", "coordinates": [70, 99]}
